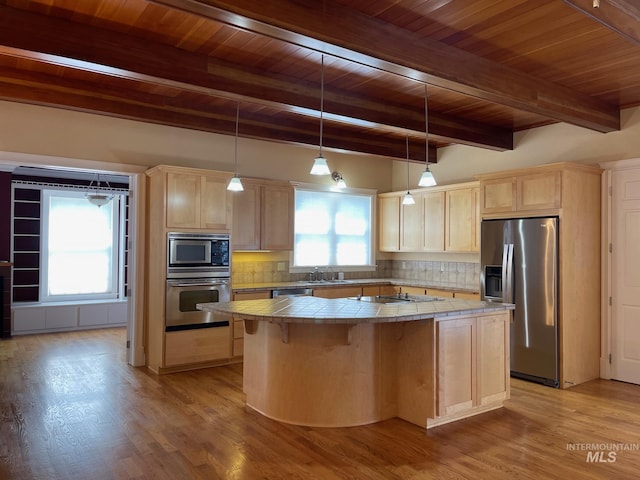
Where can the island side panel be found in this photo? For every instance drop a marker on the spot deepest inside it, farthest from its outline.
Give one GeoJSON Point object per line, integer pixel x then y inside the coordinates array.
{"type": "Point", "coordinates": [318, 378]}
{"type": "Point", "coordinates": [416, 372]}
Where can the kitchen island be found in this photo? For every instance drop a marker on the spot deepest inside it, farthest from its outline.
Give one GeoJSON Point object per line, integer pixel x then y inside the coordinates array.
{"type": "Point", "coordinates": [344, 362]}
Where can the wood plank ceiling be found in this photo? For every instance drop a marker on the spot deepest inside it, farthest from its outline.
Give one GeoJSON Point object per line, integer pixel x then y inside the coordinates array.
{"type": "Point", "coordinates": [490, 67]}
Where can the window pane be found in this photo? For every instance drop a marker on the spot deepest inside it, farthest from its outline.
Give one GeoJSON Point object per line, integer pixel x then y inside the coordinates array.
{"type": "Point", "coordinates": [81, 258]}
{"type": "Point", "coordinates": [332, 229]}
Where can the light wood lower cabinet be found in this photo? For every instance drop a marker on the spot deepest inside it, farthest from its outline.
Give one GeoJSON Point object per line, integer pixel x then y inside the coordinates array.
{"type": "Point", "coordinates": [337, 292]}
{"type": "Point", "coordinates": [255, 295]}
{"type": "Point", "coordinates": [196, 346]}
{"type": "Point", "coordinates": [472, 366]}
{"type": "Point", "coordinates": [238, 337]}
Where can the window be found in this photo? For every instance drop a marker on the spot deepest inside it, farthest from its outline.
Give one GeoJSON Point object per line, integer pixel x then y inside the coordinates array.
{"type": "Point", "coordinates": [332, 229]}
{"type": "Point", "coordinates": [80, 248]}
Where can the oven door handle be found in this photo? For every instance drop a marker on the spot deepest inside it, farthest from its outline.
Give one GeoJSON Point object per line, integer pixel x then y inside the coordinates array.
{"type": "Point", "coordinates": [204, 284]}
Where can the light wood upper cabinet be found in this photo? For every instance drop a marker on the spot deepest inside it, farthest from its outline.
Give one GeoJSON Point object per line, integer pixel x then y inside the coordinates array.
{"type": "Point", "coordinates": [277, 218]}
{"type": "Point", "coordinates": [433, 227]}
{"type": "Point", "coordinates": [412, 225]}
{"type": "Point", "coordinates": [389, 222]}
{"type": "Point", "coordinates": [442, 219]}
{"type": "Point", "coordinates": [263, 216]}
{"type": "Point", "coordinates": [538, 191]}
{"type": "Point", "coordinates": [498, 195]}
{"type": "Point", "coordinates": [522, 192]}
{"type": "Point", "coordinates": [462, 221]}
{"type": "Point", "coordinates": [245, 233]}
{"type": "Point", "coordinates": [197, 200]}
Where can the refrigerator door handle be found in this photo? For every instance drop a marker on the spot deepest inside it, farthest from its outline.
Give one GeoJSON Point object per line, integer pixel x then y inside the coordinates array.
{"type": "Point", "coordinates": [505, 266]}
{"type": "Point", "coordinates": [508, 286]}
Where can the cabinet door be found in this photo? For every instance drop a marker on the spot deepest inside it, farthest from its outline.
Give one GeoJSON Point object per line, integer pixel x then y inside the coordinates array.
{"type": "Point", "coordinates": [460, 217]}
{"type": "Point", "coordinates": [215, 203]}
{"type": "Point", "coordinates": [277, 218]}
{"type": "Point", "coordinates": [539, 191]}
{"type": "Point", "coordinates": [493, 348]}
{"type": "Point", "coordinates": [389, 227]}
{"type": "Point", "coordinates": [433, 227]}
{"type": "Point", "coordinates": [456, 365]}
{"type": "Point", "coordinates": [475, 223]}
{"type": "Point", "coordinates": [201, 345]}
{"type": "Point", "coordinates": [246, 218]}
{"type": "Point", "coordinates": [412, 225]}
{"type": "Point", "coordinates": [498, 195]}
{"type": "Point", "coordinates": [183, 200]}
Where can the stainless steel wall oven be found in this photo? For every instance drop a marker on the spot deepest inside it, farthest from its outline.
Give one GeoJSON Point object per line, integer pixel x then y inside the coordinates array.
{"type": "Point", "coordinates": [198, 271]}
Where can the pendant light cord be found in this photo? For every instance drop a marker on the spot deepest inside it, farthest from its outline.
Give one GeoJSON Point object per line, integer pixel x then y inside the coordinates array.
{"type": "Point", "coordinates": [407, 142]}
{"type": "Point", "coordinates": [236, 143]}
{"type": "Point", "coordinates": [321, 98]}
{"type": "Point", "coordinates": [426, 128]}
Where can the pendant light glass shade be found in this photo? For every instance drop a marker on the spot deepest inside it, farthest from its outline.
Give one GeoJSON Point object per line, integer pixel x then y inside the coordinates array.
{"type": "Point", "coordinates": [426, 179]}
{"type": "Point", "coordinates": [320, 166]}
{"type": "Point", "coordinates": [235, 184]}
{"type": "Point", "coordinates": [408, 198]}
{"type": "Point", "coordinates": [98, 197]}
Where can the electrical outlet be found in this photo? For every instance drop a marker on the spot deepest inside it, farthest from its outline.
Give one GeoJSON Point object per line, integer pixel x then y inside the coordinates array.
{"type": "Point", "coordinates": [281, 266]}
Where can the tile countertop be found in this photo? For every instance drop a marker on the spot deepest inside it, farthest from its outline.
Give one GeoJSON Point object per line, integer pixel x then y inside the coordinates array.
{"type": "Point", "coordinates": [307, 309]}
{"type": "Point", "coordinates": [248, 287]}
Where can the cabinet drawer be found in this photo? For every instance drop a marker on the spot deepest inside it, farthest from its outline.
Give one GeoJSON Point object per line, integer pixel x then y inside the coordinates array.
{"type": "Point", "coordinates": [201, 345]}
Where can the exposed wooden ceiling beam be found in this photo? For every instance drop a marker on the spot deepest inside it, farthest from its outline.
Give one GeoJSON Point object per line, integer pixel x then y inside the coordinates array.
{"type": "Point", "coordinates": [621, 16]}
{"type": "Point", "coordinates": [76, 96]}
{"type": "Point", "coordinates": [336, 30]}
{"type": "Point", "coordinates": [62, 42]}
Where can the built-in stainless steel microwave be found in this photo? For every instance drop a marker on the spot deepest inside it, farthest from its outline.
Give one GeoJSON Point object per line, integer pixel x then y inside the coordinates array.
{"type": "Point", "coordinates": [198, 255]}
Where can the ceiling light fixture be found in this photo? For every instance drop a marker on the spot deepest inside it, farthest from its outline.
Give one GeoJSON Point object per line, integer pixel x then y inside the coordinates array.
{"type": "Point", "coordinates": [320, 166]}
{"type": "Point", "coordinates": [99, 197]}
{"type": "Point", "coordinates": [408, 198]}
{"type": "Point", "coordinates": [426, 179]}
{"type": "Point", "coordinates": [235, 185]}
{"type": "Point", "coordinates": [337, 177]}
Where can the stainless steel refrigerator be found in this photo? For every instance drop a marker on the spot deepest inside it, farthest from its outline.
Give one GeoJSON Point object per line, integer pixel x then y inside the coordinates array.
{"type": "Point", "coordinates": [519, 264]}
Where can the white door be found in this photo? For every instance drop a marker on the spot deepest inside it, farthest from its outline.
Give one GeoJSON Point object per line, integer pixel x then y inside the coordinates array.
{"type": "Point", "coordinates": [625, 327]}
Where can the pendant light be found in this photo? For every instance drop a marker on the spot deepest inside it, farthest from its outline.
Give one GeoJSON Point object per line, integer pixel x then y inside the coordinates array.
{"type": "Point", "coordinates": [98, 197]}
{"type": "Point", "coordinates": [408, 198]}
{"type": "Point", "coordinates": [426, 179]}
{"type": "Point", "coordinates": [235, 185]}
{"type": "Point", "coordinates": [320, 166]}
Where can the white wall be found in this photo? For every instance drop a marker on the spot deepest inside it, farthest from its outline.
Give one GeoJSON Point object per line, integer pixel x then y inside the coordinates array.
{"type": "Point", "coordinates": [550, 144]}
{"type": "Point", "coordinates": [65, 134]}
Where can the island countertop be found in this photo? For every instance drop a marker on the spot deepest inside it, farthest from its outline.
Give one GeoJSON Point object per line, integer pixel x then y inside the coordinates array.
{"type": "Point", "coordinates": [316, 310]}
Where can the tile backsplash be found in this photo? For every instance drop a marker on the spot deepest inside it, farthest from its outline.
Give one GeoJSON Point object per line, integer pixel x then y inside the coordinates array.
{"type": "Point", "coordinates": [266, 268]}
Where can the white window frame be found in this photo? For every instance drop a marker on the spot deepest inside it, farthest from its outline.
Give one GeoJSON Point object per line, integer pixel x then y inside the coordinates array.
{"type": "Point", "coordinates": [116, 262]}
{"type": "Point", "coordinates": [371, 266]}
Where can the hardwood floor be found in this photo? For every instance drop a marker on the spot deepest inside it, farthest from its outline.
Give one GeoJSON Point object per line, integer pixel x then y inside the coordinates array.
{"type": "Point", "coordinates": [71, 408]}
